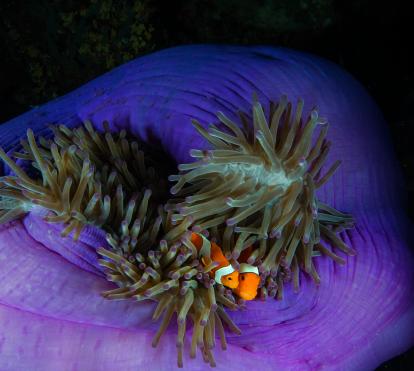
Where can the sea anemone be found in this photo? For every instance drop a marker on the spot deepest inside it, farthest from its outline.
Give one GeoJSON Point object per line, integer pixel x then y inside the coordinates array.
{"type": "Point", "coordinates": [359, 309]}
{"type": "Point", "coordinates": [262, 179]}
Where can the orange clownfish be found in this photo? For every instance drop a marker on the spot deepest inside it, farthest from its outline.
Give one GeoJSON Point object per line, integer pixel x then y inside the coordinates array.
{"type": "Point", "coordinates": [249, 278]}
{"type": "Point", "coordinates": [224, 274]}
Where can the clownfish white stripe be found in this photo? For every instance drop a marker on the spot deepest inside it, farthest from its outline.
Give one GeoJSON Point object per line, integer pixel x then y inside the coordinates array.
{"type": "Point", "coordinates": [222, 272]}
{"type": "Point", "coordinates": [247, 268]}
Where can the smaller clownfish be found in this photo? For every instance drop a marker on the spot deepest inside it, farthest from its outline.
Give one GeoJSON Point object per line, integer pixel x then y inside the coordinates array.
{"type": "Point", "coordinates": [224, 274]}
{"type": "Point", "coordinates": [249, 278]}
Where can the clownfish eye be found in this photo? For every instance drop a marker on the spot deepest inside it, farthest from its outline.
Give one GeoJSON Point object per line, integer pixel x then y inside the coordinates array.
{"type": "Point", "coordinates": [229, 278]}
{"type": "Point", "coordinates": [242, 277]}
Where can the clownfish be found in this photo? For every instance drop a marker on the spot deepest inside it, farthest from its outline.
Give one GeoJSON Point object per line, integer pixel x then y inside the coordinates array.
{"type": "Point", "coordinates": [249, 278]}
{"type": "Point", "coordinates": [224, 273]}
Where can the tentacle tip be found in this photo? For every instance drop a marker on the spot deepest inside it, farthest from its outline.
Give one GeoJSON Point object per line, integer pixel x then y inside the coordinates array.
{"type": "Point", "coordinates": [276, 233]}
{"type": "Point", "coordinates": [302, 162]}
{"type": "Point", "coordinates": [180, 321]}
{"type": "Point", "coordinates": [235, 254]}
{"type": "Point", "coordinates": [196, 228]}
{"type": "Point", "coordinates": [352, 252]}
{"type": "Point", "coordinates": [251, 261]}
{"type": "Point", "coordinates": [230, 222]}
{"type": "Point", "coordinates": [314, 114]}
{"type": "Point", "coordinates": [323, 121]}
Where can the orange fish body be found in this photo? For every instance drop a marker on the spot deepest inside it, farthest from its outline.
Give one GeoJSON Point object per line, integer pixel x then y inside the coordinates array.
{"type": "Point", "coordinates": [224, 273]}
{"type": "Point", "coordinates": [249, 278]}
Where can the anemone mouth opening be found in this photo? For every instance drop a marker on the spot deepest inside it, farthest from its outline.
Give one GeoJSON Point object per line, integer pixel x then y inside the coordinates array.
{"type": "Point", "coordinates": [253, 193]}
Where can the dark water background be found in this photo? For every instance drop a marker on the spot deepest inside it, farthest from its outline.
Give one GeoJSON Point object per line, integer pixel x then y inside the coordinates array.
{"type": "Point", "coordinates": [50, 47]}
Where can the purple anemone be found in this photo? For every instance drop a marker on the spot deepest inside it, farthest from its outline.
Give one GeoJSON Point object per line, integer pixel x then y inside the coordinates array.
{"type": "Point", "coordinates": [51, 313]}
